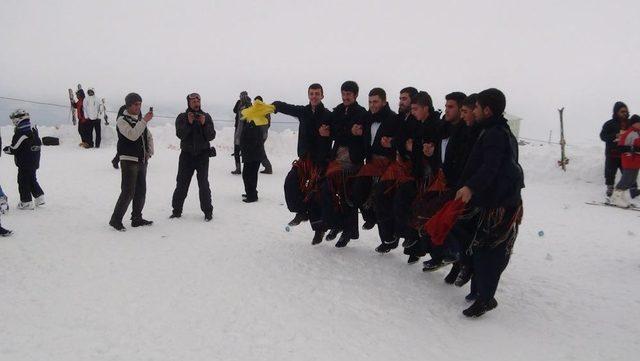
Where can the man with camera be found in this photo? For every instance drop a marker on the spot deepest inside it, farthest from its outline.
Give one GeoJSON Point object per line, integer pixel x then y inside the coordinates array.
{"type": "Point", "coordinates": [195, 130]}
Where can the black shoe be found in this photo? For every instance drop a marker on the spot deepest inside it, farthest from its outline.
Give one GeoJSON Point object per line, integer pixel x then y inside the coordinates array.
{"type": "Point", "coordinates": [432, 265]}
{"type": "Point", "coordinates": [236, 172]}
{"type": "Point", "coordinates": [208, 217]}
{"type": "Point", "coordinates": [317, 237]}
{"type": "Point", "coordinates": [250, 199]}
{"type": "Point", "coordinates": [299, 218]}
{"type": "Point", "coordinates": [634, 192]}
{"type": "Point", "coordinates": [175, 214]}
{"type": "Point", "coordinates": [453, 274]}
{"type": "Point", "coordinates": [609, 191]}
{"type": "Point", "coordinates": [368, 225]}
{"type": "Point", "coordinates": [5, 232]}
{"type": "Point", "coordinates": [115, 163]}
{"type": "Point", "coordinates": [332, 235]}
{"type": "Point", "coordinates": [464, 276]}
{"type": "Point", "coordinates": [413, 259]}
{"type": "Point", "coordinates": [384, 248]}
{"type": "Point", "coordinates": [479, 308]}
{"type": "Point", "coordinates": [117, 225]}
{"type": "Point", "coordinates": [140, 222]}
{"type": "Point", "coordinates": [343, 241]}
{"type": "Point", "coordinates": [266, 171]}
{"type": "Point", "coordinates": [244, 195]}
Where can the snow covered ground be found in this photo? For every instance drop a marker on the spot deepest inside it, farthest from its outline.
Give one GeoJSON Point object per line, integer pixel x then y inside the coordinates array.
{"type": "Point", "coordinates": [241, 288]}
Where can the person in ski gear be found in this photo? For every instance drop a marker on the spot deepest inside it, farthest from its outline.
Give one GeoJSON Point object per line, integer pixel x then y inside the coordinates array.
{"type": "Point", "coordinates": [91, 108]}
{"type": "Point", "coordinates": [492, 181]}
{"type": "Point", "coordinates": [268, 169]}
{"type": "Point", "coordinates": [25, 147]}
{"type": "Point", "coordinates": [195, 129]}
{"type": "Point", "coordinates": [242, 103]}
{"type": "Point", "coordinates": [347, 156]}
{"type": "Point", "coordinates": [629, 147]}
{"type": "Point", "coordinates": [610, 134]}
{"type": "Point", "coordinates": [301, 185]}
{"type": "Point", "coordinates": [135, 147]}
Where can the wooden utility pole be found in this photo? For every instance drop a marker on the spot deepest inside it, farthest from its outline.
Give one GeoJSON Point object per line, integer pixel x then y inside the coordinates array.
{"type": "Point", "coordinates": [563, 158]}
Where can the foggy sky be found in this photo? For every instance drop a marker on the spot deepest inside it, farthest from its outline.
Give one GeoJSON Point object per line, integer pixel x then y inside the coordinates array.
{"type": "Point", "coordinates": [582, 55]}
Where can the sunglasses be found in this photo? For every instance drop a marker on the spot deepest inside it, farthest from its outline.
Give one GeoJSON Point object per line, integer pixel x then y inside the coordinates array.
{"type": "Point", "coordinates": [193, 96]}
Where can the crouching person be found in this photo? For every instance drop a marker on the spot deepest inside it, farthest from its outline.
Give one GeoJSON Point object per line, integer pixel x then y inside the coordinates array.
{"type": "Point", "coordinates": [25, 146]}
{"type": "Point", "coordinates": [135, 147]}
{"type": "Point", "coordinates": [492, 181]}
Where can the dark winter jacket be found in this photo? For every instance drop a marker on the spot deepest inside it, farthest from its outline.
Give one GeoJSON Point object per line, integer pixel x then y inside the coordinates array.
{"type": "Point", "coordinates": [195, 138]}
{"type": "Point", "coordinates": [342, 120]}
{"type": "Point", "coordinates": [310, 143]}
{"type": "Point", "coordinates": [406, 129]}
{"type": "Point", "coordinates": [25, 146]}
{"type": "Point", "coordinates": [135, 143]}
{"type": "Point", "coordinates": [610, 131]}
{"type": "Point", "coordinates": [387, 126]}
{"type": "Point", "coordinates": [458, 148]}
{"type": "Point", "coordinates": [425, 132]}
{"type": "Point", "coordinates": [492, 172]}
{"type": "Point", "coordinates": [252, 142]}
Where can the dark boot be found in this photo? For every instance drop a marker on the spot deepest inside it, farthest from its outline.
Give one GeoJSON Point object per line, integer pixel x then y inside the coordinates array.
{"type": "Point", "coordinates": [5, 232]}
{"type": "Point", "coordinates": [299, 218]}
{"type": "Point", "coordinates": [368, 225]}
{"type": "Point", "coordinates": [140, 222]}
{"type": "Point", "coordinates": [413, 259]}
{"type": "Point", "coordinates": [464, 276]}
{"type": "Point", "coordinates": [453, 274]}
{"type": "Point", "coordinates": [332, 235]}
{"type": "Point", "coordinates": [317, 237]}
{"type": "Point", "coordinates": [343, 241]}
{"type": "Point", "coordinates": [117, 225]}
{"type": "Point", "coordinates": [479, 308]}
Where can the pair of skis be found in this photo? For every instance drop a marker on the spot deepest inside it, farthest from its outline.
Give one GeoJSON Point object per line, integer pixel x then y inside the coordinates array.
{"type": "Point", "coordinates": [608, 204]}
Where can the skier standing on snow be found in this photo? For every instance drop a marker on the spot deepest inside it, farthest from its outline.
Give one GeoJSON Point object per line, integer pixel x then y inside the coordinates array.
{"type": "Point", "coordinates": [629, 146]}
{"type": "Point", "coordinates": [242, 103]}
{"type": "Point", "coordinates": [610, 134]}
{"type": "Point", "coordinates": [195, 130]}
{"type": "Point", "coordinates": [25, 146]}
{"type": "Point", "coordinates": [301, 186]}
{"type": "Point", "coordinates": [91, 107]}
{"type": "Point", "coordinates": [135, 147]}
{"type": "Point", "coordinates": [492, 181]}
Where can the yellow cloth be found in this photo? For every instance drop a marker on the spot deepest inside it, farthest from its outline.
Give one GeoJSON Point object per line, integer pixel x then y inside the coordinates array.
{"type": "Point", "coordinates": [258, 113]}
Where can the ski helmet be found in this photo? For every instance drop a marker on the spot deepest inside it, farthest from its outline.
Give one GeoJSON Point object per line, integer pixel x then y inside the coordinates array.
{"type": "Point", "coordinates": [19, 115]}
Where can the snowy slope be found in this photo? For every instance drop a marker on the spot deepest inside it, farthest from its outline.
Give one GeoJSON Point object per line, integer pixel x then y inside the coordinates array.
{"type": "Point", "coordinates": [241, 288]}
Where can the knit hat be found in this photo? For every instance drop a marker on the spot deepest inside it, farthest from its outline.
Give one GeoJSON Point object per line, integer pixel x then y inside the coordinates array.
{"type": "Point", "coordinates": [132, 98]}
{"type": "Point", "coordinates": [617, 106]}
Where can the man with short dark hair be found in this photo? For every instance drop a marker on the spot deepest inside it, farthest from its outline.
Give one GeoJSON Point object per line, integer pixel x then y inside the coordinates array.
{"type": "Point", "coordinates": [195, 130]}
{"type": "Point", "coordinates": [301, 186]}
{"type": "Point", "coordinates": [492, 181]}
{"type": "Point", "coordinates": [610, 134]}
{"type": "Point", "coordinates": [135, 147]}
{"type": "Point", "coordinates": [349, 150]}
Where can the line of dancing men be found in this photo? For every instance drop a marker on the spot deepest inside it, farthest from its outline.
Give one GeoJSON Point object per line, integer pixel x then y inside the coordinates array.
{"type": "Point", "coordinates": [402, 170]}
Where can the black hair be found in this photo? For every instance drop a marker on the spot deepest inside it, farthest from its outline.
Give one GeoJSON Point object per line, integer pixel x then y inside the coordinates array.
{"type": "Point", "coordinates": [494, 99]}
{"type": "Point", "coordinates": [316, 86]}
{"type": "Point", "coordinates": [258, 98]}
{"type": "Point", "coordinates": [409, 90]}
{"type": "Point", "coordinates": [457, 97]}
{"type": "Point", "coordinates": [424, 99]}
{"type": "Point", "coordinates": [470, 101]}
{"type": "Point", "coordinates": [379, 92]}
{"type": "Point", "coordinates": [350, 86]}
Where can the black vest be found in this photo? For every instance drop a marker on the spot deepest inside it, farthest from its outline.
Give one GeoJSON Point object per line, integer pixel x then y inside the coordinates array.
{"type": "Point", "coordinates": [129, 148]}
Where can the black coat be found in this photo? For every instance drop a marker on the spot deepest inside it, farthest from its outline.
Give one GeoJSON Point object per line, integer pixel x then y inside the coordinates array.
{"type": "Point", "coordinates": [457, 150]}
{"type": "Point", "coordinates": [492, 172]}
{"type": "Point", "coordinates": [310, 143]}
{"type": "Point", "coordinates": [195, 138]}
{"type": "Point", "coordinates": [389, 125]}
{"type": "Point", "coordinates": [252, 142]}
{"type": "Point", "coordinates": [25, 146]}
{"type": "Point", "coordinates": [406, 129]}
{"type": "Point", "coordinates": [425, 132]}
{"type": "Point", "coordinates": [611, 130]}
{"type": "Point", "coordinates": [342, 120]}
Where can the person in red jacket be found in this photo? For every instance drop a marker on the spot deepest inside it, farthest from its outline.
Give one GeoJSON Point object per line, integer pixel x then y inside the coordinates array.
{"type": "Point", "coordinates": [629, 145]}
{"type": "Point", "coordinates": [82, 121]}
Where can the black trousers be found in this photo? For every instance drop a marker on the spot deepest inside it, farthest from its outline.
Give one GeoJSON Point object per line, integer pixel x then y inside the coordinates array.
{"type": "Point", "coordinates": [93, 125]}
{"type": "Point", "coordinates": [361, 194]}
{"type": "Point", "coordinates": [250, 178]}
{"type": "Point", "coordinates": [236, 156]}
{"type": "Point", "coordinates": [188, 164]}
{"type": "Point", "coordinates": [403, 211]}
{"type": "Point", "coordinates": [488, 265]}
{"type": "Point", "coordinates": [28, 185]}
{"type": "Point", "coordinates": [84, 130]}
{"type": "Point", "coordinates": [132, 188]}
{"type": "Point", "coordinates": [343, 217]}
{"type": "Point", "coordinates": [383, 207]}
{"type": "Point", "coordinates": [611, 167]}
